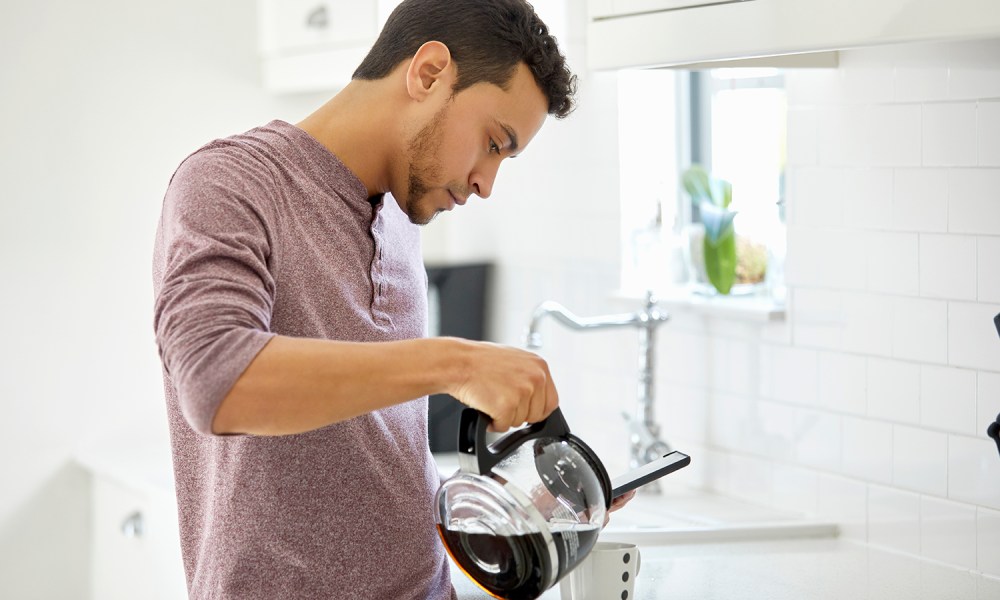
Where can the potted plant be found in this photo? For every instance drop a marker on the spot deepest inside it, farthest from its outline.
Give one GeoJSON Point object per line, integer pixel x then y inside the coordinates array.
{"type": "Point", "coordinates": [719, 257]}
{"type": "Point", "coordinates": [715, 257]}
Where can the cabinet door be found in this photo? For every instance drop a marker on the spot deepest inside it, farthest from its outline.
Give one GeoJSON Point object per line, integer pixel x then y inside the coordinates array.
{"type": "Point", "coordinates": [611, 8]}
{"type": "Point", "coordinates": [295, 26]}
{"type": "Point", "coordinates": [135, 548]}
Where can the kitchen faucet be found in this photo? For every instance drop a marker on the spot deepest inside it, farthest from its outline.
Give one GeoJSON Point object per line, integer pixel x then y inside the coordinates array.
{"type": "Point", "coordinates": [646, 444]}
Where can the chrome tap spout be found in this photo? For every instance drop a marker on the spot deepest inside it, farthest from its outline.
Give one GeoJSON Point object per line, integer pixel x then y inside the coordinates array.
{"type": "Point", "coordinates": [567, 318]}
{"type": "Point", "coordinates": [646, 443]}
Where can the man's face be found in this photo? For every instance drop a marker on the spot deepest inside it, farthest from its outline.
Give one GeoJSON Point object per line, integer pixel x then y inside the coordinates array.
{"type": "Point", "coordinates": [458, 151]}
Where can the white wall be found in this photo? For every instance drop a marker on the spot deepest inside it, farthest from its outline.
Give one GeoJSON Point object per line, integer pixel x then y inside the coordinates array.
{"type": "Point", "coordinates": [100, 101]}
{"type": "Point", "coordinates": [869, 405]}
{"type": "Point", "coordinates": [893, 359]}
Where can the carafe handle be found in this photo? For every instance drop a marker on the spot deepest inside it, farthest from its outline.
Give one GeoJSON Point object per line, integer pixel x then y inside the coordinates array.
{"type": "Point", "coordinates": [477, 456]}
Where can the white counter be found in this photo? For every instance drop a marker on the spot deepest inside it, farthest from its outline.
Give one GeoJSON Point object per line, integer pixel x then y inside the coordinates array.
{"type": "Point", "coordinates": [789, 570]}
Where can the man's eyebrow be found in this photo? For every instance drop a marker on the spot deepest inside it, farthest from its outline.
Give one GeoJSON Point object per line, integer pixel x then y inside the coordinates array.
{"type": "Point", "coordinates": [510, 134]}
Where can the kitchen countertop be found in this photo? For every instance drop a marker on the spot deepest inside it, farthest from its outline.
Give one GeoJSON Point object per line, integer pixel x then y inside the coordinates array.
{"type": "Point", "coordinates": [818, 569]}
{"type": "Point", "coordinates": [799, 569]}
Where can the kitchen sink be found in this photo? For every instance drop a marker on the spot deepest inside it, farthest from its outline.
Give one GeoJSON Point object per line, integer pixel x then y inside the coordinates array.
{"type": "Point", "coordinates": [680, 515]}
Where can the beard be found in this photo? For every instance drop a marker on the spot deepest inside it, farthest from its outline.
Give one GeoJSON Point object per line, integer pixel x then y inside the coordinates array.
{"type": "Point", "coordinates": [423, 148]}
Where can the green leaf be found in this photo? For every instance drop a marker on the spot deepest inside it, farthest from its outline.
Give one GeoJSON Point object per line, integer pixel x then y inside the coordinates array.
{"type": "Point", "coordinates": [725, 194]}
{"type": "Point", "coordinates": [718, 221]}
{"type": "Point", "coordinates": [702, 187]}
{"type": "Point", "coordinates": [697, 184]}
{"type": "Point", "coordinates": [720, 261]}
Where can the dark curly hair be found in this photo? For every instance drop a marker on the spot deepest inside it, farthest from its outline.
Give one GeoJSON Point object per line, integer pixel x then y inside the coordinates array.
{"type": "Point", "coordinates": [487, 39]}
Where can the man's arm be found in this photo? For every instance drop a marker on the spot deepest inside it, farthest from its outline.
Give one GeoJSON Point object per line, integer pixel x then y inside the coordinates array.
{"type": "Point", "coordinates": [297, 384]}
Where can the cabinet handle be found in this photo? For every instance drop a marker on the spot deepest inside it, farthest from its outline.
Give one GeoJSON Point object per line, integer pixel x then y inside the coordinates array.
{"type": "Point", "coordinates": [133, 526]}
{"type": "Point", "coordinates": [318, 18]}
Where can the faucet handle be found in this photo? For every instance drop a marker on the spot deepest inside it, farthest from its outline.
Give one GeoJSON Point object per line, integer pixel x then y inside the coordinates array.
{"type": "Point", "coordinates": [533, 340]}
{"type": "Point", "coordinates": [651, 298]}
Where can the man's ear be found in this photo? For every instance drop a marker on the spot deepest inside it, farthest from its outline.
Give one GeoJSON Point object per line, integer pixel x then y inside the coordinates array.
{"type": "Point", "coordinates": [431, 69]}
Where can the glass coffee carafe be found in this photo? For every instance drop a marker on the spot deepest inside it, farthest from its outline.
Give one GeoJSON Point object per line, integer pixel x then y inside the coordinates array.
{"type": "Point", "coordinates": [522, 512]}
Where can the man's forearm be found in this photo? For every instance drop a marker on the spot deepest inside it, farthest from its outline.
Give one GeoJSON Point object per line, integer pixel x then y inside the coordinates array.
{"type": "Point", "coordinates": [295, 385]}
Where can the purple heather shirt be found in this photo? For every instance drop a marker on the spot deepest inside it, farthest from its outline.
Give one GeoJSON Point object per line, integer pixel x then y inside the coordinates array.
{"type": "Point", "coordinates": [268, 233]}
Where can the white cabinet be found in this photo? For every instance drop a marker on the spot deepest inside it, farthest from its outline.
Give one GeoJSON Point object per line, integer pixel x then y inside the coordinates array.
{"type": "Point", "coordinates": [135, 545]}
{"type": "Point", "coordinates": [135, 549]}
{"type": "Point", "coordinates": [648, 33]}
{"type": "Point", "coordinates": [315, 45]}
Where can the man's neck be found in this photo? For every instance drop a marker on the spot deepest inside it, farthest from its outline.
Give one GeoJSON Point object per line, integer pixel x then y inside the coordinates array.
{"type": "Point", "coordinates": [357, 125]}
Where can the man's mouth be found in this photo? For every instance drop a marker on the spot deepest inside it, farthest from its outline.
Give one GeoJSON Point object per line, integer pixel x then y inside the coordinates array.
{"type": "Point", "coordinates": [455, 200]}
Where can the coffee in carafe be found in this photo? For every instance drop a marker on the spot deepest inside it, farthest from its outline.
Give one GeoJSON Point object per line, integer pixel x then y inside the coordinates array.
{"type": "Point", "coordinates": [518, 516]}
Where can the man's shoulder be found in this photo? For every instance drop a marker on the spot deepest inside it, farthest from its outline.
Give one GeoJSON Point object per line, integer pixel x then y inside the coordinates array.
{"type": "Point", "coordinates": [245, 151]}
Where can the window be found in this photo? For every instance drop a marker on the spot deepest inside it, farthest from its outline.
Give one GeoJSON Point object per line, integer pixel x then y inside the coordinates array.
{"type": "Point", "coordinates": [730, 121]}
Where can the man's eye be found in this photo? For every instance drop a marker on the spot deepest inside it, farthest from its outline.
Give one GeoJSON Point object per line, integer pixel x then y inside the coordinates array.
{"type": "Point", "coordinates": [494, 147]}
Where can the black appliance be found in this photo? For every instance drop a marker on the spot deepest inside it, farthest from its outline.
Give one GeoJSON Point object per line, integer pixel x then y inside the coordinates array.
{"type": "Point", "coordinates": [993, 430]}
{"type": "Point", "coordinates": [457, 306]}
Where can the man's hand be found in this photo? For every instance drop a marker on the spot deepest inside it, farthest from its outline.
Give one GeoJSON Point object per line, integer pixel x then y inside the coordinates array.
{"type": "Point", "coordinates": [511, 385]}
{"type": "Point", "coordinates": [617, 503]}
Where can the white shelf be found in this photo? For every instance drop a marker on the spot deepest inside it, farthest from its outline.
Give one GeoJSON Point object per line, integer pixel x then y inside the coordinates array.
{"type": "Point", "coordinates": [757, 309]}
{"type": "Point", "coordinates": [760, 29]}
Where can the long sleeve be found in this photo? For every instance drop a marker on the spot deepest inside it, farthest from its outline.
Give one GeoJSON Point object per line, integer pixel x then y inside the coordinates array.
{"type": "Point", "coordinates": [213, 291]}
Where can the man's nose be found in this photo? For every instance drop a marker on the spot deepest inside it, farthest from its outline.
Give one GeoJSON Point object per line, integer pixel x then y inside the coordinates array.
{"type": "Point", "coordinates": [483, 178]}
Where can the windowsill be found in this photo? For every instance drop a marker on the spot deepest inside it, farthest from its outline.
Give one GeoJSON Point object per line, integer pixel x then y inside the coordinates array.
{"type": "Point", "coordinates": [753, 308]}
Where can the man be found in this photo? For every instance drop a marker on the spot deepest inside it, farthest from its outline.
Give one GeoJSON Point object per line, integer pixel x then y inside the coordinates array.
{"type": "Point", "coordinates": [290, 311]}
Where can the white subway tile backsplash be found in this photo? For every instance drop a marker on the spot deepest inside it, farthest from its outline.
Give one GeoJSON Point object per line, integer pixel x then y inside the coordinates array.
{"type": "Point", "coordinates": [842, 381]}
{"type": "Point", "coordinates": [829, 258]}
{"type": "Point", "coordinates": [894, 135]}
{"type": "Point", "coordinates": [802, 137]}
{"type": "Point", "coordinates": [683, 348]}
{"type": "Point", "coordinates": [868, 323]}
{"type": "Point", "coordinates": [841, 143]}
{"type": "Point", "coordinates": [976, 75]}
{"type": "Point", "coordinates": [845, 501]}
{"type": "Point", "coordinates": [867, 452]}
{"type": "Point", "coordinates": [988, 400]}
{"type": "Point", "coordinates": [818, 439]}
{"type": "Point", "coordinates": [817, 195]}
{"type": "Point", "coordinates": [948, 266]}
{"type": "Point", "coordinates": [920, 460]}
{"type": "Point", "coordinates": [682, 412]}
{"type": "Point", "coordinates": [739, 361]}
{"type": "Point", "coordinates": [920, 330]}
{"type": "Point", "coordinates": [974, 470]}
{"type": "Point", "coordinates": [921, 84]}
{"type": "Point", "coordinates": [867, 195]}
{"type": "Point", "coordinates": [920, 200]}
{"type": "Point", "coordinates": [817, 318]}
{"type": "Point", "coordinates": [871, 84]}
{"type": "Point", "coordinates": [795, 489]}
{"type": "Point", "coordinates": [795, 376]}
{"type": "Point", "coordinates": [949, 135]}
{"type": "Point", "coordinates": [893, 263]}
{"type": "Point", "coordinates": [732, 425]}
{"type": "Point", "coordinates": [948, 399]}
{"type": "Point", "coordinates": [972, 336]}
{"type": "Point", "coordinates": [750, 478]}
{"type": "Point", "coordinates": [988, 274]}
{"type": "Point", "coordinates": [988, 541]}
{"type": "Point", "coordinates": [894, 390]}
{"type": "Point", "coordinates": [948, 532]}
{"type": "Point", "coordinates": [810, 88]}
{"type": "Point", "coordinates": [972, 201]}
{"type": "Point", "coordinates": [988, 129]}
{"type": "Point", "coordinates": [894, 519]}
{"type": "Point", "coordinates": [774, 430]}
